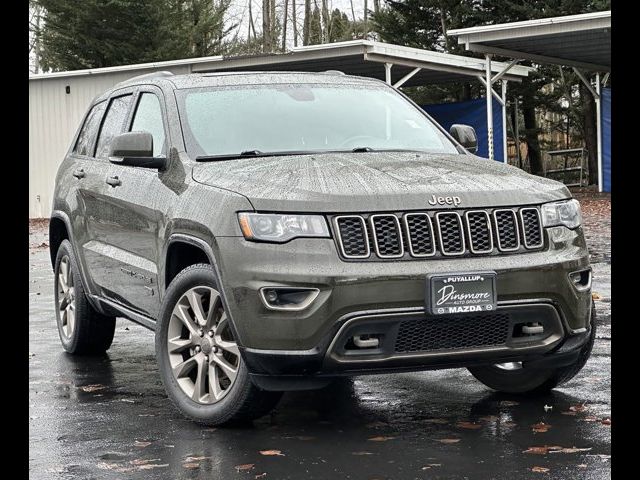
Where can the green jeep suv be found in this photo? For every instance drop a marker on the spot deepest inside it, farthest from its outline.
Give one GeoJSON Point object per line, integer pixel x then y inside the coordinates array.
{"type": "Point", "coordinates": [279, 230]}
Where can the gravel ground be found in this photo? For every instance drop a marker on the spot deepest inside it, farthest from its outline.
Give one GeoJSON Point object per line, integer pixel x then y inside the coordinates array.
{"type": "Point", "coordinates": [108, 417]}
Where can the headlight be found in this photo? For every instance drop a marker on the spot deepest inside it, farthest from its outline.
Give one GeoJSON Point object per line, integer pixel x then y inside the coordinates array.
{"type": "Point", "coordinates": [566, 213]}
{"type": "Point", "coordinates": [280, 228]}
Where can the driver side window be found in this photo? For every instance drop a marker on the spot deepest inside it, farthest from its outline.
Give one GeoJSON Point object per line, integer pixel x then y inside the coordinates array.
{"type": "Point", "coordinates": [148, 118]}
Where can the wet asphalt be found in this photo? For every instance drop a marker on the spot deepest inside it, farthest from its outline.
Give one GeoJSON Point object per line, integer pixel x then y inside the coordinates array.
{"type": "Point", "coordinates": [108, 417]}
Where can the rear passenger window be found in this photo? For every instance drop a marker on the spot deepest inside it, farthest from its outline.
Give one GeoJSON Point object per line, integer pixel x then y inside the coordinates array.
{"type": "Point", "coordinates": [148, 118]}
{"type": "Point", "coordinates": [113, 124]}
{"type": "Point", "coordinates": [88, 132]}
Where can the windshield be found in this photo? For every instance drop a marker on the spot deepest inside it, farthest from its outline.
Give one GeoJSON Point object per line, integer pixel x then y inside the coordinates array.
{"type": "Point", "coordinates": [304, 118]}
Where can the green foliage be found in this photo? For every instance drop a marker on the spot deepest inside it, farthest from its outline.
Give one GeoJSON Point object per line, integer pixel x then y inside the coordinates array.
{"type": "Point", "coordinates": [103, 33]}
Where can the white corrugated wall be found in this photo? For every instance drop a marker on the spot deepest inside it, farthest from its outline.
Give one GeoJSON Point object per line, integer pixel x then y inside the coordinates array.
{"type": "Point", "coordinates": [54, 117]}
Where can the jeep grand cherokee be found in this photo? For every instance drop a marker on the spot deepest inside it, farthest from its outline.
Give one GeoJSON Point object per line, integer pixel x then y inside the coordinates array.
{"type": "Point", "coordinates": [278, 230]}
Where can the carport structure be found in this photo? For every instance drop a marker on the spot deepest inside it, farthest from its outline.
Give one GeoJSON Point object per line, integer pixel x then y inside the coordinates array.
{"type": "Point", "coordinates": [582, 42]}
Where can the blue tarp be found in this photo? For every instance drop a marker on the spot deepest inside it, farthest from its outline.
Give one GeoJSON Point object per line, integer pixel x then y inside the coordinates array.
{"type": "Point", "coordinates": [473, 113]}
{"type": "Point", "coordinates": [606, 139]}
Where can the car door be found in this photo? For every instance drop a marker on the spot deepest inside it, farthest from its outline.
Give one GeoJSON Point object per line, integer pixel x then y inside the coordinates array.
{"type": "Point", "coordinates": [131, 200]}
{"type": "Point", "coordinates": [85, 183]}
{"type": "Point", "coordinates": [100, 218]}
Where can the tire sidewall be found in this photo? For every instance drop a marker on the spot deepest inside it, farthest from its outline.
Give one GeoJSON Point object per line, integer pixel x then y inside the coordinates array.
{"type": "Point", "coordinates": [81, 304]}
{"type": "Point", "coordinates": [196, 275]}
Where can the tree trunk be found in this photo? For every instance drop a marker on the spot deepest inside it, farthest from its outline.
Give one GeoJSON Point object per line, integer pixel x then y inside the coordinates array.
{"type": "Point", "coordinates": [305, 25]}
{"type": "Point", "coordinates": [443, 24]}
{"type": "Point", "coordinates": [273, 33]}
{"type": "Point", "coordinates": [284, 26]}
{"type": "Point", "coordinates": [266, 26]}
{"type": "Point", "coordinates": [295, 23]}
{"type": "Point", "coordinates": [365, 20]}
{"type": "Point", "coordinates": [531, 134]}
{"type": "Point", "coordinates": [590, 132]}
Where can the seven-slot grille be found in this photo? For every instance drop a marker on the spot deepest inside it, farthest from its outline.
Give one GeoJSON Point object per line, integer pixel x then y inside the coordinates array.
{"type": "Point", "coordinates": [444, 233]}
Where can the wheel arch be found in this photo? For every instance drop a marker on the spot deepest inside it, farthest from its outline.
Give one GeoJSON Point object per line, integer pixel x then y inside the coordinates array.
{"type": "Point", "coordinates": [191, 241]}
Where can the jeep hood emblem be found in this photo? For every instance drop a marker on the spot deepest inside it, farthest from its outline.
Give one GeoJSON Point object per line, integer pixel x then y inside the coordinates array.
{"type": "Point", "coordinates": [434, 200]}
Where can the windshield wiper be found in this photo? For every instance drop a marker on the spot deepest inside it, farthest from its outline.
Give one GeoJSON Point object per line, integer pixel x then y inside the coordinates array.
{"type": "Point", "coordinates": [250, 153]}
{"type": "Point", "coordinates": [362, 149]}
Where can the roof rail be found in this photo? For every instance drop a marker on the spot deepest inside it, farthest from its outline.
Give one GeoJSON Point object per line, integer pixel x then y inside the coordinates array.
{"type": "Point", "coordinates": [146, 76]}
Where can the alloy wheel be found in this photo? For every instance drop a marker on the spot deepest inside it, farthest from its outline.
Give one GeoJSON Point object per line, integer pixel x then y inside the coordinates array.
{"type": "Point", "coordinates": [203, 354]}
{"type": "Point", "coordinates": [66, 298]}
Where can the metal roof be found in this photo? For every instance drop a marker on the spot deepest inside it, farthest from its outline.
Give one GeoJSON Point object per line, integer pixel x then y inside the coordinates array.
{"type": "Point", "coordinates": [358, 57]}
{"type": "Point", "coordinates": [581, 41]}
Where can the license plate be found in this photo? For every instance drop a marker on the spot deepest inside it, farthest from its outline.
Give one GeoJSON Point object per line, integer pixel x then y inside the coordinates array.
{"type": "Point", "coordinates": [461, 293]}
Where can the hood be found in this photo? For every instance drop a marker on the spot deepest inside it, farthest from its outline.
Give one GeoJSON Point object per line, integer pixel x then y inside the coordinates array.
{"type": "Point", "coordinates": [376, 181]}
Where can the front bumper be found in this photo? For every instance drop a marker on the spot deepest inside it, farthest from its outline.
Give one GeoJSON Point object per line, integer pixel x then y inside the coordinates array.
{"type": "Point", "coordinates": [293, 343]}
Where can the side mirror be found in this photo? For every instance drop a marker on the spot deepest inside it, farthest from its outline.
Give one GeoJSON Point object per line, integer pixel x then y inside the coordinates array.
{"type": "Point", "coordinates": [135, 149]}
{"type": "Point", "coordinates": [466, 136]}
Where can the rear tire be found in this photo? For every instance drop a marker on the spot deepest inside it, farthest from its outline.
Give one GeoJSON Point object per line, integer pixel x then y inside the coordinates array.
{"type": "Point", "coordinates": [82, 329]}
{"type": "Point", "coordinates": [533, 380]}
{"type": "Point", "coordinates": [199, 361]}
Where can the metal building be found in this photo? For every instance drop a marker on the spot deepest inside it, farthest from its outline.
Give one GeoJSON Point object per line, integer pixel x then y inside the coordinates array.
{"type": "Point", "coordinates": [57, 101]}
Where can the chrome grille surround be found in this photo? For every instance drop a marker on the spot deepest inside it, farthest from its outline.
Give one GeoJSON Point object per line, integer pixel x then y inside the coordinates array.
{"type": "Point", "coordinates": [441, 218]}
{"type": "Point", "coordinates": [376, 229]}
{"type": "Point", "coordinates": [337, 222]}
{"type": "Point", "coordinates": [442, 233]}
{"type": "Point", "coordinates": [472, 239]}
{"type": "Point", "coordinates": [431, 240]}
{"type": "Point", "coordinates": [502, 239]}
{"type": "Point", "coordinates": [525, 219]}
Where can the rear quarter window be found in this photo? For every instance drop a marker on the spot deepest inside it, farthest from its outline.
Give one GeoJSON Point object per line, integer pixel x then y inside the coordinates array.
{"type": "Point", "coordinates": [87, 134]}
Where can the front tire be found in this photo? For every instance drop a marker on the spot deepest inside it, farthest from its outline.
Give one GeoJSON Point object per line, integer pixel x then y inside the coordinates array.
{"type": "Point", "coordinates": [199, 360]}
{"type": "Point", "coordinates": [513, 378]}
{"type": "Point", "coordinates": [82, 329]}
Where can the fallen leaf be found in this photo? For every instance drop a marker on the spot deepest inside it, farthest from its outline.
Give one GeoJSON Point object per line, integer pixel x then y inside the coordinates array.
{"type": "Point", "coordinates": [195, 459]}
{"type": "Point", "coordinates": [539, 469]}
{"type": "Point", "coordinates": [606, 421]}
{"type": "Point", "coordinates": [571, 450]}
{"type": "Point", "coordinates": [547, 408]}
{"type": "Point", "coordinates": [361, 453]}
{"type": "Point", "coordinates": [489, 418]}
{"type": "Point", "coordinates": [430, 465]}
{"type": "Point", "coordinates": [542, 450]}
{"type": "Point", "coordinates": [448, 441]}
{"type": "Point", "coordinates": [140, 444]}
{"type": "Point", "coordinates": [596, 296]}
{"type": "Point", "coordinates": [469, 425]}
{"type": "Point", "coordinates": [151, 466]}
{"type": "Point", "coordinates": [140, 461]}
{"type": "Point", "coordinates": [191, 465]}
{"type": "Point", "coordinates": [590, 418]}
{"type": "Point", "coordinates": [126, 400]}
{"type": "Point", "coordinates": [541, 427]}
{"type": "Point", "coordinates": [380, 439]}
{"type": "Point", "coordinates": [436, 421]}
{"type": "Point", "coordinates": [92, 388]}
{"type": "Point", "coordinates": [272, 453]}
{"type": "Point", "coordinates": [245, 467]}
{"type": "Point", "coordinates": [579, 408]}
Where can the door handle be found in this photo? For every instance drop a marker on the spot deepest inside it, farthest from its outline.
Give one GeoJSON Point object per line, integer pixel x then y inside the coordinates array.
{"type": "Point", "coordinates": [79, 173]}
{"type": "Point", "coordinates": [114, 181]}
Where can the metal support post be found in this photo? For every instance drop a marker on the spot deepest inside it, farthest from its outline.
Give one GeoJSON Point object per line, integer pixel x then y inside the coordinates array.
{"type": "Point", "coordinates": [489, 107]}
{"type": "Point", "coordinates": [387, 72]}
{"type": "Point", "coordinates": [599, 130]}
{"type": "Point", "coordinates": [504, 121]}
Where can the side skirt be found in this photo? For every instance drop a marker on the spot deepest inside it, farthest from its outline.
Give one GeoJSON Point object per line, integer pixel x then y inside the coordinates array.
{"type": "Point", "coordinates": [113, 308]}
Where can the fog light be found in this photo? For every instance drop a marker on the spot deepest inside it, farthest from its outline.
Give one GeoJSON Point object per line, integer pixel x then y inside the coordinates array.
{"type": "Point", "coordinates": [581, 280]}
{"type": "Point", "coordinates": [288, 298]}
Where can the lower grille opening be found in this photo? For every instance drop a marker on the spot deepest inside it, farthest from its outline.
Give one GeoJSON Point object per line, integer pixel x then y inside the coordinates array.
{"type": "Point", "coordinates": [453, 332]}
